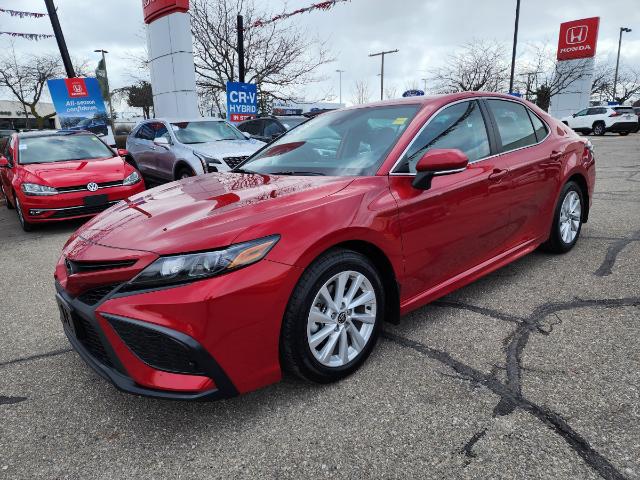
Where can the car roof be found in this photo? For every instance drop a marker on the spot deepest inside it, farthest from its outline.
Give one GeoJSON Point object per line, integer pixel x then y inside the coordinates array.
{"type": "Point", "coordinates": [182, 120]}
{"type": "Point", "coordinates": [51, 133]}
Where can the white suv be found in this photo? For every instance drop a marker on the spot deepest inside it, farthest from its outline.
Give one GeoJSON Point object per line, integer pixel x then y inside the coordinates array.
{"type": "Point", "coordinates": [599, 120]}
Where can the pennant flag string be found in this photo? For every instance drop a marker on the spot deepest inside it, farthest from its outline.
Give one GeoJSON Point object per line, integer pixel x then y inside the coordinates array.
{"type": "Point", "coordinates": [316, 6]}
{"type": "Point", "coordinates": [21, 14]}
{"type": "Point", "coordinates": [28, 36]}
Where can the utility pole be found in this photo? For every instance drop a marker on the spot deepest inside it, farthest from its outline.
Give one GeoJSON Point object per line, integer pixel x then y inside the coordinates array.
{"type": "Point", "coordinates": [424, 88]}
{"type": "Point", "coordinates": [515, 45]}
{"type": "Point", "coordinates": [382, 54]}
{"type": "Point", "coordinates": [62, 45]}
{"type": "Point", "coordinates": [615, 77]}
{"type": "Point", "coordinates": [240, 27]}
{"type": "Point", "coordinates": [106, 81]}
{"type": "Point", "coordinates": [340, 72]}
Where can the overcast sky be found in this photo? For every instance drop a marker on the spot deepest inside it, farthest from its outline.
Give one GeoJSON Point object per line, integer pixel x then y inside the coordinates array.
{"type": "Point", "coordinates": [424, 31]}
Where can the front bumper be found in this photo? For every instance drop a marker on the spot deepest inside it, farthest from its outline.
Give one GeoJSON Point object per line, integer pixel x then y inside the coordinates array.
{"type": "Point", "coordinates": [68, 206]}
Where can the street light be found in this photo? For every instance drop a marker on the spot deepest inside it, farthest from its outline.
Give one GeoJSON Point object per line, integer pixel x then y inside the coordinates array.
{"type": "Point", "coordinates": [106, 81]}
{"type": "Point", "coordinates": [615, 77]}
{"type": "Point", "coordinates": [340, 72]}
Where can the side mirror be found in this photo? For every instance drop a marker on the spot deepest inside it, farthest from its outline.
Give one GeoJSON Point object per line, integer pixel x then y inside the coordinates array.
{"type": "Point", "coordinates": [162, 142]}
{"type": "Point", "coordinates": [574, 115]}
{"type": "Point", "coordinates": [4, 163]}
{"type": "Point", "coordinates": [123, 152]}
{"type": "Point", "coordinates": [246, 135]}
{"type": "Point", "coordinates": [438, 162]}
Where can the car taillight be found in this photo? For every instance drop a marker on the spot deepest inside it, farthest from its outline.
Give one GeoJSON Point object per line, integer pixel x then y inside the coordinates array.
{"type": "Point", "coordinates": [587, 153]}
{"type": "Point", "coordinates": [615, 114]}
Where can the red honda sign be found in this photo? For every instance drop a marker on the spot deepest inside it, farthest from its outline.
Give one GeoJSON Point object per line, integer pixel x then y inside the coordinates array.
{"type": "Point", "coordinates": [578, 39]}
{"type": "Point", "coordinates": [155, 9]}
{"type": "Point", "coordinates": [76, 87]}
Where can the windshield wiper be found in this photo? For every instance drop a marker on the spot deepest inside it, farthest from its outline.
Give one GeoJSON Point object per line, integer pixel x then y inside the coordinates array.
{"type": "Point", "coordinates": [244, 170]}
{"type": "Point", "coordinates": [296, 172]}
{"type": "Point", "coordinates": [222, 139]}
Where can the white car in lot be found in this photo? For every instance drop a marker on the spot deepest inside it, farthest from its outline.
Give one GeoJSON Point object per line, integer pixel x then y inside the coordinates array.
{"type": "Point", "coordinates": [170, 149]}
{"type": "Point", "coordinates": [599, 120]}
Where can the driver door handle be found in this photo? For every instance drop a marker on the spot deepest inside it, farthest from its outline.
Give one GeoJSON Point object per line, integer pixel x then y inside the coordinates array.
{"type": "Point", "coordinates": [498, 174]}
{"type": "Point", "coordinates": [555, 155]}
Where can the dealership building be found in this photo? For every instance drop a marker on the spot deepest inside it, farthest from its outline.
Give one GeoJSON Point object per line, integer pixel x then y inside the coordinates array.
{"type": "Point", "coordinates": [12, 115]}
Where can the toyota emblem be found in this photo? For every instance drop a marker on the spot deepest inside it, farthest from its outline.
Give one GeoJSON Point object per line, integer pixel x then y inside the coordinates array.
{"type": "Point", "coordinates": [92, 187]}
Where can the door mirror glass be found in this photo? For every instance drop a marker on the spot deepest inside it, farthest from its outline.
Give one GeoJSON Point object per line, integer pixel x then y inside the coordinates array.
{"type": "Point", "coordinates": [438, 162]}
{"type": "Point", "coordinates": [4, 163]}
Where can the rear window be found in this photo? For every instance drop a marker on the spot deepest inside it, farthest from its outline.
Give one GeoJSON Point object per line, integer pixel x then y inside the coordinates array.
{"type": "Point", "coordinates": [61, 148]}
{"type": "Point", "coordinates": [623, 110]}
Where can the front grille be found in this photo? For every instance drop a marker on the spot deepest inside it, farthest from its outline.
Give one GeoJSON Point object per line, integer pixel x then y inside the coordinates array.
{"type": "Point", "coordinates": [233, 162]}
{"type": "Point", "coordinates": [88, 336]}
{"type": "Point", "coordinates": [93, 296]}
{"type": "Point", "coordinates": [75, 211]}
{"type": "Point", "coordinates": [156, 349]}
{"type": "Point", "coordinates": [85, 267]}
{"type": "Point", "coordinates": [80, 188]}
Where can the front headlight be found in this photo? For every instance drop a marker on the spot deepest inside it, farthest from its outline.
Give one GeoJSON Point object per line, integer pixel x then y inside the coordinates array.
{"type": "Point", "coordinates": [35, 189]}
{"type": "Point", "coordinates": [209, 164]}
{"type": "Point", "coordinates": [131, 179]}
{"type": "Point", "coordinates": [178, 269]}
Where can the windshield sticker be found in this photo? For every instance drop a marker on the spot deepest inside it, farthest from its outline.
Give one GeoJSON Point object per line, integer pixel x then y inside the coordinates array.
{"type": "Point", "coordinates": [23, 146]}
{"type": "Point", "coordinates": [400, 121]}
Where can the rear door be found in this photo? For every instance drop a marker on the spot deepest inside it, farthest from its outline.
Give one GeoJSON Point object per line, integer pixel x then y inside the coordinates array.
{"type": "Point", "coordinates": [533, 162]}
{"type": "Point", "coordinates": [7, 173]}
{"type": "Point", "coordinates": [463, 219]}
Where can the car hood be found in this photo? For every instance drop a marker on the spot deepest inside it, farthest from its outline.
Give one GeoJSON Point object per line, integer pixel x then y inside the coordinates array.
{"type": "Point", "coordinates": [76, 172]}
{"type": "Point", "coordinates": [204, 212]}
{"type": "Point", "coordinates": [228, 148]}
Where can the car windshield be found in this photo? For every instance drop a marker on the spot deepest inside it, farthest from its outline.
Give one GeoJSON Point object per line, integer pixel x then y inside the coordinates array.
{"type": "Point", "coordinates": [346, 142]}
{"type": "Point", "coordinates": [205, 131]}
{"type": "Point", "coordinates": [62, 148]}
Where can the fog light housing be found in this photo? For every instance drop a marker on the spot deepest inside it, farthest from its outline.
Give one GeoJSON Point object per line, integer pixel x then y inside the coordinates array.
{"type": "Point", "coordinates": [35, 212]}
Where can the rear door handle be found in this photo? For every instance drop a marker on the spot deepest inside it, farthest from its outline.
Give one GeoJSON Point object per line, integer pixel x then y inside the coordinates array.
{"type": "Point", "coordinates": [498, 175]}
{"type": "Point", "coordinates": [555, 155]}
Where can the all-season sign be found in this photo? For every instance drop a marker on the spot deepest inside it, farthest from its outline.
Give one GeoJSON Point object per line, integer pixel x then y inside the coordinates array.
{"type": "Point", "coordinates": [155, 9]}
{"type": "Point", "coordinates": [578, 39]}
{"type": "Point", "coordinates": [242, 101]}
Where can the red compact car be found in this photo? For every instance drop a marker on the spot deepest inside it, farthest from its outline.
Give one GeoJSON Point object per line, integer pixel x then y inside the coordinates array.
{"type": "Point", "coordinates": [212, 286]}
{"type": "Point", "coordinates": [49, 176]}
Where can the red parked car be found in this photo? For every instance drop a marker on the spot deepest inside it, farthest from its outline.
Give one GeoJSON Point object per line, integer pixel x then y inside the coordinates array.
{"type": "Point", "coordinates": [212, 286]}
{"type": "Point", "coordinates": [49, 176]}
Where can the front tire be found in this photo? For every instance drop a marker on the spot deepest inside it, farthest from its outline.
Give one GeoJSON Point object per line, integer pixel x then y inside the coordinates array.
{"type": "Point", "coordinates": [623, 134]}
{"type": "Point", "coordinates": [333, 317]}
{"type": "Point", "coordinates": [26, 226]}
{"type": "Point", "coordinates": [184, 172]}
{"type": "Point", "coordinates": [567, 220]}
{"type": "Point", "coordinates": [6, 197]}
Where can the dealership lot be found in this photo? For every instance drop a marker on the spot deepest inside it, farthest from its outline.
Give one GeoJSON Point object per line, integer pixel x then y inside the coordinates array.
{"type": "Point", "coordinates": [529, 372]}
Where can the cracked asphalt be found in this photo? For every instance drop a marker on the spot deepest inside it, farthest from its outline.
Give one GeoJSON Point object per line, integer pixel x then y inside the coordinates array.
{"type": "Point", "coordinates": [531, 372]}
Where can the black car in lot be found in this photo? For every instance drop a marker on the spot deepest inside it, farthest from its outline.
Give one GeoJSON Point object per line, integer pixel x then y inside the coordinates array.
{"type": "Point", "coordinates": [266, 129]}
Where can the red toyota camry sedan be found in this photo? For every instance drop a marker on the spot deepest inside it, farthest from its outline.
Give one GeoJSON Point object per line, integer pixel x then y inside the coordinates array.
{"type": "Point", "coordinates": [49, 176]}
{"type": "Point", "coordinates": [214, 285]}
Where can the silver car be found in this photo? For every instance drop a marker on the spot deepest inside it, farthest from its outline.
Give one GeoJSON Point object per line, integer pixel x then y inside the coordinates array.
{"type": "Point", "coordinates": [165, 149]}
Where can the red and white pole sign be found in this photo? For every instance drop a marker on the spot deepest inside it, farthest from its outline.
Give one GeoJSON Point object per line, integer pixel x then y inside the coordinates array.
{"type": "Point", "coordinates": [578, 39]}
{"type": "Point", "coordinates": [155, 9]}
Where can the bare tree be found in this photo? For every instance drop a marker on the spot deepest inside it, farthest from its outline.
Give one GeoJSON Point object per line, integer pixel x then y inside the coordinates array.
{"type": "Point", "coordinates": [628, 86]}
{"type": "Point", "coordinates": [278, 56]}
{"type": "Point", "coordinates": [390, 91]}
{"type": "Point", "coordinates": [361, 92]}
{"type": "Point", "coordinates": [26, 78]}
{"type": "Point", "coordinates": [546, 77]}
{"type": "Point", "coordinates": [477, 65]}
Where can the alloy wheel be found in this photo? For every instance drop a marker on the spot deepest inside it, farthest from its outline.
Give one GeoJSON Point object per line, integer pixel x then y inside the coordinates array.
{"type": "Point", "coordinates": [342, 319]}
{"type": "Point", "coordinates": [19, 211]}
{"type": "Point", "coordinates": [570, 216]}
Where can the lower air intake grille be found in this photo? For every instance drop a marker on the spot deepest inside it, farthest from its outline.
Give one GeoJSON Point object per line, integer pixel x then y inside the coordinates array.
{"type": "Point", "coordinates": [93, 296]}
{"type": "Point", "coordinates": [89, 337]}
{"type": "Point", "coordinates": [156, 349]}
{"type": "Point", "coordinates": [75, 211]}
{"type": "Point", "coordinates": [233, 162]}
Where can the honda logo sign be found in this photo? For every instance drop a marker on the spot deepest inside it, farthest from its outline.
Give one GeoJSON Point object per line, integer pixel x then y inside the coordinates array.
{"type": "Point", "coordinates": [578, 39]}
{"type": "Point", "coordinates": [577, 34]}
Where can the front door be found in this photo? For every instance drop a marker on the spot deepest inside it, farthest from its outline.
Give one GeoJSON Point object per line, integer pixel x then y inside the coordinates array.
{"type": "Point", "coordinates": [463, 219]}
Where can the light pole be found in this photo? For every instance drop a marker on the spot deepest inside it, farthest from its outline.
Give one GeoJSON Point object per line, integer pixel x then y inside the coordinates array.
{"type": "Point", "coordinates": [106, 82]}
{"type": "Point", "coordinates": [340, 72]}
{"type": "Point", "coordinates": [615, 77]}
{"type": "Point", "coordinates": [515, 45]}
{"type": "Point", "coordinates": [382, 54]}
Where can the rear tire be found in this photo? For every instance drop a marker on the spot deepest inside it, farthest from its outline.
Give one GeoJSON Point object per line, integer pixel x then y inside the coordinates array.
{"type": "Point", "coordinates": [623, 134]}
{"type": "Point", "coordinates": [599, 128]}
{"type": "Point", "coordinates": [6, 198]}
{"type": "Point", "coordinates": [567, 220]}
{"type": "Point", "coordinates": [325, 339]}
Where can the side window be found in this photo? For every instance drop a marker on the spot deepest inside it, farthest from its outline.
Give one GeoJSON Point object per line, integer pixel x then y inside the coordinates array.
{"type": "Point", "coordinates": [252, 128]}
{"type": "Point", "coordinates": [538, 125]}
{"type": "Point", "coordinates": [7, 150]}
{"type": "Point", "coordinates": [582, 112]}
{"type": "Point", "coordinates": [160, 130]}
{"type": "Point", "coordinates": [272, 128]}
{"type": "Point", "coordinates": [145, 132]}
{"type": "Point", "coordinates": [514, 125]}
{"type": "Point", "coordinates": [458, 126]}
{"type": "Point", "coordinates": [594, 111]}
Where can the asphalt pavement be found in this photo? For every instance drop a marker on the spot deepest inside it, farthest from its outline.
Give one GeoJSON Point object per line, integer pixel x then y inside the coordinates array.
{"type": "Point", "coordinates": [531, 372]}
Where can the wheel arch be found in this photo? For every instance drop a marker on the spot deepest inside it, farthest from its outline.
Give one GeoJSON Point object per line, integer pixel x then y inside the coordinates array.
{"type": "Point", "coordinates": [180, 164]}
{"type": "Point", "coordinates": [584, 188]}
